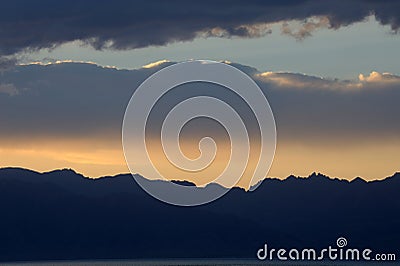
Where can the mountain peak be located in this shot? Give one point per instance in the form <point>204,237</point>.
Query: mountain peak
<point>358,180</point>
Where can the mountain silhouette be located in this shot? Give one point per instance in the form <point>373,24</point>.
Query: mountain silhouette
<point>64,215</point>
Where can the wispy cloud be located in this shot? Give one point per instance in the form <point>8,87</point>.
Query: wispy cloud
<point>305,28</point>
<point>290,80</point>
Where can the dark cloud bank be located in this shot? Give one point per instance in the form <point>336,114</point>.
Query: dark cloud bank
<point>30,25</point>
<point>81,99</point>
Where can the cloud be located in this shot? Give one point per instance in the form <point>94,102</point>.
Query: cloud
<point>156,64</point>
<point>306,27</point>
<point>27,26</point>
<point>83,99</point>
<point>287,80</point>
<point>251,31</point>
<point>383,78</point>
<point>8,89</point>
<point>311,108</point>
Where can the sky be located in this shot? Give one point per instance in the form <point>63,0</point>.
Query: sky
<point>330,71</point>
<point>360,48</point>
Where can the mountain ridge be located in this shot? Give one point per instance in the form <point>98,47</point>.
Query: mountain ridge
<point>60,215</point>
<point>313,175</point>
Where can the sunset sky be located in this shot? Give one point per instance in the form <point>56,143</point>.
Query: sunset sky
<point>330,71</point>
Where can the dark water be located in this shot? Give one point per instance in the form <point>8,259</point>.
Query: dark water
<point>222,262</point>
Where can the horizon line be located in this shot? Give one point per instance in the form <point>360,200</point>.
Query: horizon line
<point>315,173</point>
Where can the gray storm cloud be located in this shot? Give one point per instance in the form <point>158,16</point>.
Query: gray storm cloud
<point>30,25</point>
<point>81,99</point>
